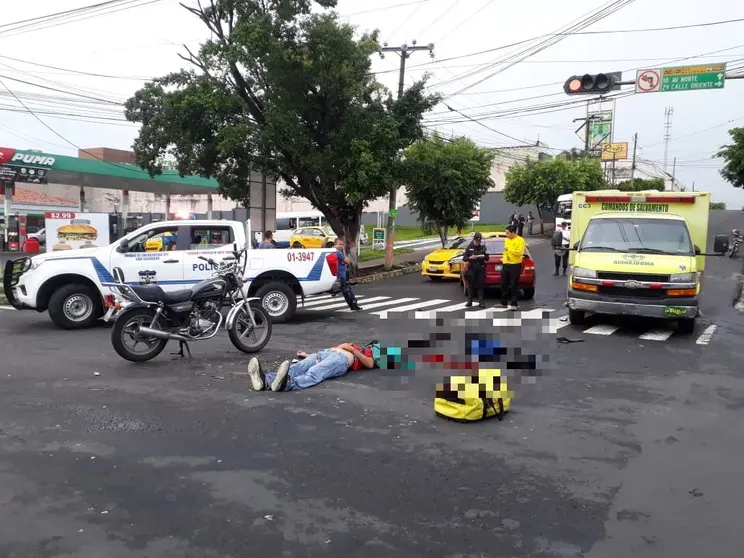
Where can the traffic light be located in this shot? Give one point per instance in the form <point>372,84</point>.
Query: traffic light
<point>593,84</point>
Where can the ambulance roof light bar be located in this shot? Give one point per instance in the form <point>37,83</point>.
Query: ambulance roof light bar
<point>641,199</point>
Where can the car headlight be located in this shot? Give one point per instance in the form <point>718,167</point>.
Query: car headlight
<point>682,278</point>
<point>584,272</point>
<point>455,260</point>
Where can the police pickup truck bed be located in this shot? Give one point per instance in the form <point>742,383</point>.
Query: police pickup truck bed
<point>69,284</point>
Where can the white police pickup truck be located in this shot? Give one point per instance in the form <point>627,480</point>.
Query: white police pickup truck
<point>69,283</point>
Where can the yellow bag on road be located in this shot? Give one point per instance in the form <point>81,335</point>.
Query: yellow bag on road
<point>473,398</point>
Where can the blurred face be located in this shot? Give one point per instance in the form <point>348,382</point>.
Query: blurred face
<point>339,243</point>
<point>477,241</point>
<point>510,234</point>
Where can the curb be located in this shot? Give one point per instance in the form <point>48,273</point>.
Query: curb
<point>3,300</point>
<point>387,274</point>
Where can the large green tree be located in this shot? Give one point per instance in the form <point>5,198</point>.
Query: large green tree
<point>641,184</point>
<point>280,90</point>
<point>445,180</point>
<point>541,182</point>
<point>733,155</point>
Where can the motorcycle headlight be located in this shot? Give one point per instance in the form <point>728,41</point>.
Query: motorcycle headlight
<point>682,278</point>
<point>584,272</point>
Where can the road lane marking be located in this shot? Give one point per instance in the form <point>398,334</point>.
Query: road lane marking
<point>381,304</point>
<point>603,329</point>
<point>704,339</point>
<point>424,304</point>
<point>557,323</point>
<point>336,305</point>
<point>314,298</point>
<point>327,301</point>
<point>6,308</point>
<point>481,314</point>
<point>536,314</point>
<point>657,334</point>
<point>429,314</point>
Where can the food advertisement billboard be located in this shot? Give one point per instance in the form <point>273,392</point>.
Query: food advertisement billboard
<point>74,231</point>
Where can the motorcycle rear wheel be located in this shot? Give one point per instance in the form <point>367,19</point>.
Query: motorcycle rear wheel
<point>244,336</point>
<point>122,333</point>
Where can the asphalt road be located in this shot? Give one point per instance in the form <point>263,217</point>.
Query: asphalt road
<point>622,446</point>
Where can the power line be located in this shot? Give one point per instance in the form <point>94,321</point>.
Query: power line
<point>464,21</point>
<point>578,33</point>
<point>382,9</point>
<point>444,13</point>
<point>68,70</point>
<point>516,58</point>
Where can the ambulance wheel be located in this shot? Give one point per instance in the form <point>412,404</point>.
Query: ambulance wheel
<point>576,317</point>
<point>686,326</point>
<point>75,306</point>
<point>279,301</point>
<point>529,293</point>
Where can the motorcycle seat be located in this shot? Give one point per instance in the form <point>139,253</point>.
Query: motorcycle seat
<point>154,293</point>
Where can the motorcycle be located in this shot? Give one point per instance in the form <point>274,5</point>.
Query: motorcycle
<point>737,238</point>
<point>150,317</point>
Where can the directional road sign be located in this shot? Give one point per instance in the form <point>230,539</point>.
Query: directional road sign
<point>681,78</point>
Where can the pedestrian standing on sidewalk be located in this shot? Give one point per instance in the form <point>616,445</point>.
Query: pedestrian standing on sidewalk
<point>530,222</point>
<point>561,254</point>
<point>476,258</point>
<point>344,276</point>
<point>511,268</point>
<point>520,224</point>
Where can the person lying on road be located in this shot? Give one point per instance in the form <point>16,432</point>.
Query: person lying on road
<point>314,368</point>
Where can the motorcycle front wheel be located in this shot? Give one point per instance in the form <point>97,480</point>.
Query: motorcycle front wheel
<point>130,346</point>
<point>244,335</point>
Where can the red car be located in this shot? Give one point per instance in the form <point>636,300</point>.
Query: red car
<point>495,249</point>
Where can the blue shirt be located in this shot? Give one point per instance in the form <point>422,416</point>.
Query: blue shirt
<point>343,271</point>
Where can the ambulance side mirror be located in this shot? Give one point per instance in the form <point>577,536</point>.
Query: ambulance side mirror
<point>575,246</point>
<point>556,241</point>
<point>721,244</point>
<point>698,252</point>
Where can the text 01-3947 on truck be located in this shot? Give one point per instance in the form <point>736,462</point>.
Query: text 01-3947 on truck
<point>69,284</point>
<point>638,254</point>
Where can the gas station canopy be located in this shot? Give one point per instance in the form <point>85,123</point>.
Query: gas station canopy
<point>35,166</point>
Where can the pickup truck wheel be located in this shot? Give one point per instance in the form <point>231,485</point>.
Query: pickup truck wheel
<point>686,326</point>
<point>296,245</point>
<point>279,301</point>
<point>576,317</point>
<point>75,306</point>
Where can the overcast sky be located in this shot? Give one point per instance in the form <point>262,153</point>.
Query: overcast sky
<point>143,41</point>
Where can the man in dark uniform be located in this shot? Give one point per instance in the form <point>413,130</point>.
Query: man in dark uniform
<point>476,258</point>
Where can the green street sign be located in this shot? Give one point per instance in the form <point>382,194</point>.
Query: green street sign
<point>393,213</point>
<point>681,78</point>
<point>378,234</point>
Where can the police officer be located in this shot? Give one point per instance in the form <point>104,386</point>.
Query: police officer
<point>476,258</point>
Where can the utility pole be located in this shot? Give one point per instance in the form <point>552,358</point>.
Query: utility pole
<point>404,51</point>
<point>633,165</point>
<point>693,186</point>
<point>674,172</point>
<point>668,113</point>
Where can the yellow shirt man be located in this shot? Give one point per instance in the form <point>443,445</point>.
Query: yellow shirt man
<point>513,250</point>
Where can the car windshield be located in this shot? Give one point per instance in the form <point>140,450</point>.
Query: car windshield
<point>638,236</point>
<point>459,242</point>
<point>494,245</point>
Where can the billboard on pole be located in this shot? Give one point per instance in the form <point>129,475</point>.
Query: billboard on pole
<point>600,128</point>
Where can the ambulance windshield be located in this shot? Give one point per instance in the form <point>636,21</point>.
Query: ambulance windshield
<point>638,236</point>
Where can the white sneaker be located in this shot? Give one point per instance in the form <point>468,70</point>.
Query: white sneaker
<point>280,381</point>
<point>256,375</point>
<point>513,307</point>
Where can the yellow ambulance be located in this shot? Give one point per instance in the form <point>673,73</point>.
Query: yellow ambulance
<point>638,254</point>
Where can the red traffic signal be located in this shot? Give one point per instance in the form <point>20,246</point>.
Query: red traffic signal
<point>593,84</point>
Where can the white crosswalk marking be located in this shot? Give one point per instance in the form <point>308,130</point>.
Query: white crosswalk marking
<point>423,304</point>
<point>657,335</point>
<point>339,305</point>
<point>704,339</point>
<point>314,298</point>
<point>429,314</point>
<point>557,323</point>
<point>518,318</point>
<point>603,329</point>
<point>309,305</point>
<point>381,304</point>
<point>6,308</point>
<point>484,314</point>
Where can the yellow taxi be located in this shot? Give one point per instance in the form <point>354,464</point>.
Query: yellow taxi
<point>155,244</point>
<point>437,264</point>
<point>312,237</point>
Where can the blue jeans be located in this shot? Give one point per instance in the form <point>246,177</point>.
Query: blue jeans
<point>309,372</point>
